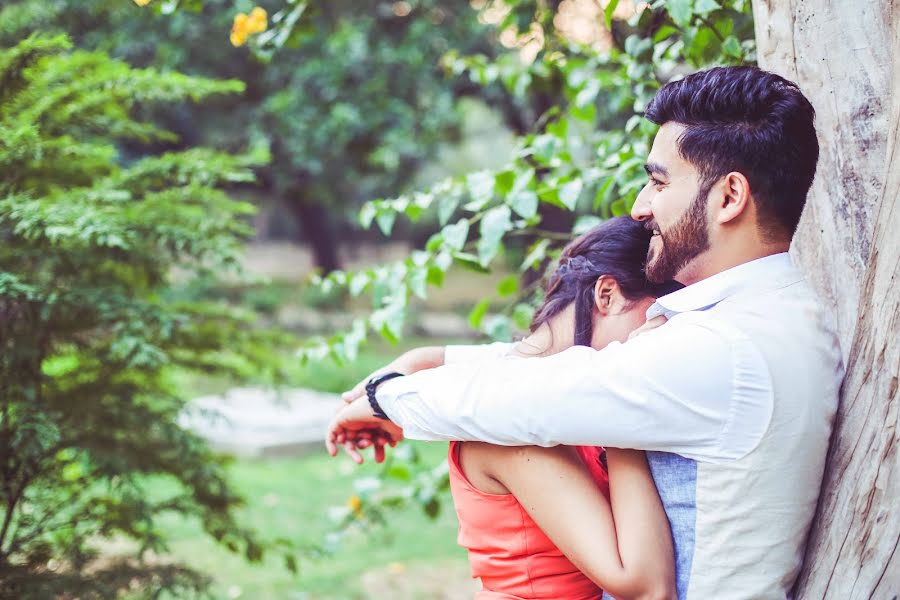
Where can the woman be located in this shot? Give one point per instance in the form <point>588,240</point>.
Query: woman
<point>544,522</point>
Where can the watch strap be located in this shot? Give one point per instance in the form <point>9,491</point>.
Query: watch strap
<point>371,388</point>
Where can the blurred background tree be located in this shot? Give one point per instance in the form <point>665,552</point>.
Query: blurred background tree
<point>581,74</point>
<point>350,108</point>
<point>91,324</point>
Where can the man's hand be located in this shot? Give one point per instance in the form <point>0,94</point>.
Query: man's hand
<point>356,426</point>
<point>417,359</point>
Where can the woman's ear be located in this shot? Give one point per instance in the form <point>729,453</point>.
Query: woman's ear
<point>605,291</point>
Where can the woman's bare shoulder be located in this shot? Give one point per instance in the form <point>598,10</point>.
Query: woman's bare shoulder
<point>499,462</point>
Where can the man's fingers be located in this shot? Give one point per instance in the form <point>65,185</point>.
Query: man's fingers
<point>379,453</point>
<point>356,392</point>
<point>359,390</point>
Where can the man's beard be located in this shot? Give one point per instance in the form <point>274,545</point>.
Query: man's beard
<point>681,243</point>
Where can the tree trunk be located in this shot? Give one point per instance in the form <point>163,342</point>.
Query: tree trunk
<point>846,58</point>
<point>318,231</point>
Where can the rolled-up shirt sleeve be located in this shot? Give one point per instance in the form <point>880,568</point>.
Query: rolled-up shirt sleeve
<point>678,388</point>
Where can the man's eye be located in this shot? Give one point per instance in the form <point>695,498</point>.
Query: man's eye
<point>656,182</point>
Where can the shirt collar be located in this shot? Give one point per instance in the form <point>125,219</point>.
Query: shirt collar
<point>768,272</point>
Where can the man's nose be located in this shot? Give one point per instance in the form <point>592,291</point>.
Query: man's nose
<point>640,211</point>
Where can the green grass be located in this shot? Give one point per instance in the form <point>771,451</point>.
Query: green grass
<point>413,558</point>
<point>290,498</point>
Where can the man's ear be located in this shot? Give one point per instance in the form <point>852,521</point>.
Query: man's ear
<point>734,199</point>
<point>605,290</point>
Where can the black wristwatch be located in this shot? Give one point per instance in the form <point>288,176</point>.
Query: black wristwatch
<point>370,392</point>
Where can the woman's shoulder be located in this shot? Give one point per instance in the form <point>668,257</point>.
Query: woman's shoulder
<point>475,463</point>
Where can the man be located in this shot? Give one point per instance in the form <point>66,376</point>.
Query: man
<point>733,397</point>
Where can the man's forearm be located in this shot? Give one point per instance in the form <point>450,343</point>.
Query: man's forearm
<point>649,394</point>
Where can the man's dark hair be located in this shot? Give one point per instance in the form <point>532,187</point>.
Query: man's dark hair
<point>751,121</point>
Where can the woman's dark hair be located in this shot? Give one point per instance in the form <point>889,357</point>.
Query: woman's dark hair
<point>616,248</point>
<point>747,120</point>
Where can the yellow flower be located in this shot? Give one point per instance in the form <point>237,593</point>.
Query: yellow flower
<point>246,25</point>
<point>239,32</point>
<point>238,39</point>
<point>258,21</point>
<point>354,503</point>
<point>142,2</point>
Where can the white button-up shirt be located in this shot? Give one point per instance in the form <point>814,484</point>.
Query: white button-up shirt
<point>735,395</point>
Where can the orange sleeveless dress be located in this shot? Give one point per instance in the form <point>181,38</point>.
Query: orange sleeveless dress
<point>508,551</point>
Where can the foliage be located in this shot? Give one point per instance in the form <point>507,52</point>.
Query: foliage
<point>586,155</point>
<point>92,327</point>
<point>348,102</point>
<point>300,498</point>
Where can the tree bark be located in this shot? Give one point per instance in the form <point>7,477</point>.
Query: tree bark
<point>318,231</point>
<point>845,57</point>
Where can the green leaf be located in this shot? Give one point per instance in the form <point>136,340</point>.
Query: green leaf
<point>544,148</point>
<point>681,11</point>
<point>435,276</point>
<point>385,220</point>
<point>72,472</point>
<point>570,192</point>
<point>585,223</point>
<point>455,235</point>
<point>447,205</point>
<point>443,260</point>
<point>399,471</point>
<point>367,215</point>
<point>508,286</point>
<point>478,311</point>
<point>469,261</point>
<point>504,182</point>
<point>525,204</point>
<point>498,327</point>
<point>522,315</point>
<point>732,47</point>
<point>663,33</point>
<point>494,224</point>
<point>636,46</point>
<point>523,181</point>
<point>536,255</point>
<point>481,188</point>
<point>608,13</point>
<point>603,192</point>
<point>704,7</point>
<point>558,128</point>
<point>358,283</point>
<point>584,112</point>
<point>618,209</point>
<point>434,242</point>
<point>389,319</point>
<point>418,281</point>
